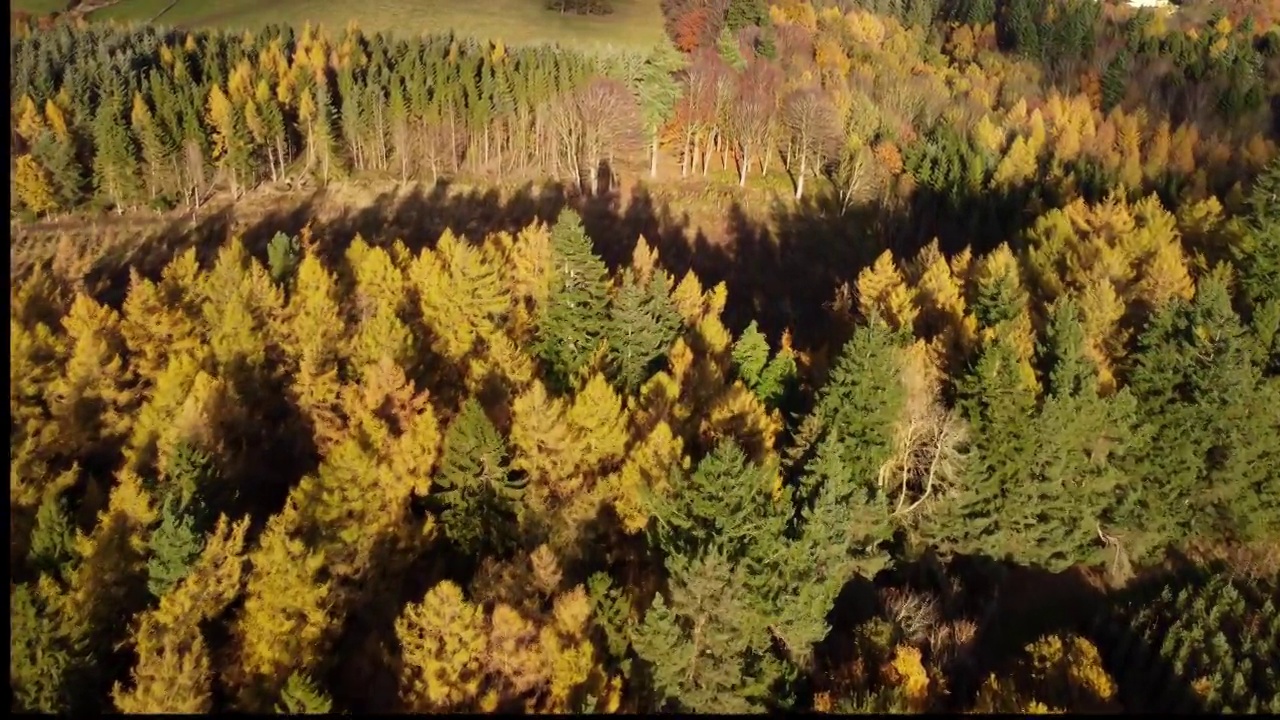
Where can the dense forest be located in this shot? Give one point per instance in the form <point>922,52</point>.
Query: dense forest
<point>1022,458</point>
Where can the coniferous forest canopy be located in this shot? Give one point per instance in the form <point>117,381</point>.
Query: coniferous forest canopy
<point>982,417</point>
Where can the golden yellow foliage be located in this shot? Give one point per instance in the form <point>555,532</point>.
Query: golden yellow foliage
<point>688,299</point>
<point>1058,672</point>
<point>884,293</point>
<point>110,579</point>
<point>906,671</point>
<point>285,615</point>
<point>33,186</point>
<point>91,401</point>
<point>598,426</point>
<point>647,468</point>
<point>173,672</point>
<point>380,296</point>
<point>444,641</point>
<point>541,439</point>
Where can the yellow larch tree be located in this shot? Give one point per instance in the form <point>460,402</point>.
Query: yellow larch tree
<point>30,121</point>
<point>528,262</point>
<point>943,319</point>
<point>155,429</point>
<point>156,326</point>
<point>1055,674</point>
<point>567,651</point>
<point>173,673</point>
<point>441,304</point>
<point>1101,312</point>
<point>110,581</point>
<point>36,357</point>
<point>443,642</point>
<point>387,455</point>
<point>542,442</point>
<point>514,662</point>
<point>647,468</point>
<point>597,428</point>
<point>312,335</point>
<point>1001,303</point>
<point>239,304</point>
<point>883,292</point>
<point>688,299</point>
<point>282,626</point>
<point>33,186</point>
<point>92,400</point>
<point>380,296</point>
<point>501,359</point>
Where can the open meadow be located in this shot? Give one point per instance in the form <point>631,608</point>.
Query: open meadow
<point>634,23</point>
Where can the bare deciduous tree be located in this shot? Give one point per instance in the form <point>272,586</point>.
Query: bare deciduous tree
<point>697,109</point>
<point>754,108</point>
<point>929,442</point>
<point>811,120</point>
<point>593,125</point>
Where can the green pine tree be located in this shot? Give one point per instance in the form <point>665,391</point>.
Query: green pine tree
<point>115,159</point>
<point>778,380</point>
<point>1082,440</point>
<point>1258,257</point>
<point>575,318</point>
<point>612,611</point>
<point>863,398</point>
<point>174,544</point>
<point>751,354</point>
<point>53,538</point>
<point>843,534</point>
<point>58,156</point>
<point>658,91</point>
<point>707,649</point>
<point>726,504</point>
<point>478,491</point>
<point>1210,466</point>
<point>999,509</point>
<point>643,326</point>
<point>730,49</point>
<point>282,257</point>
<point>745,13</point>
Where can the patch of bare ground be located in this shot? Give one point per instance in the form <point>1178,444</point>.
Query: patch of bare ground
<point>91,251</point>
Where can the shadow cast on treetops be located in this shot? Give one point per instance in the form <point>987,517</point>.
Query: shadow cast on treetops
<point>780,270</point>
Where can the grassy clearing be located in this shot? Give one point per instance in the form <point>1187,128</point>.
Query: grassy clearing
<point>634,23</point>
<point>37,7</point>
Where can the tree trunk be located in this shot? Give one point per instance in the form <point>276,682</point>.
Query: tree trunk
<point>744,168</point>
<point>453,141</point>
<point>653,157</point>
<point>688,153</point>
<point>804,165</point>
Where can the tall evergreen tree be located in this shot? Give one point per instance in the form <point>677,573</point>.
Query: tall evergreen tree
<point>1195,369</point>
<point>115,162</point>
<point>575,318</point>
<point>1001,506</point>
<point>1258,258</point>
<point>478,489</point>
<point>1083,439</point>
<point>643,325</point>
<point>707,648</point>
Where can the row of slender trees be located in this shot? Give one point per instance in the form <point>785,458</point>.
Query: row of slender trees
<point>128,118</point>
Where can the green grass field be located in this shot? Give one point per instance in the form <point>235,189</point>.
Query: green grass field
<point>634,23</point>
<point>38,7</point>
